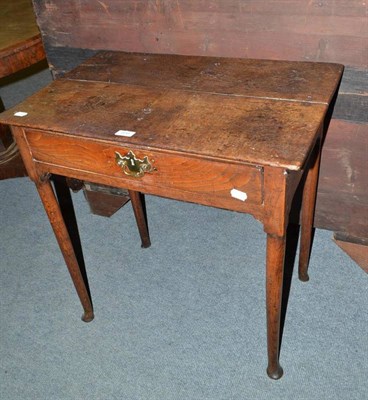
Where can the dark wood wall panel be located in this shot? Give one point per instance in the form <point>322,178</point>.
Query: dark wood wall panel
<point>308,30</point>
<point>352,102</point>
<point>342,203</point>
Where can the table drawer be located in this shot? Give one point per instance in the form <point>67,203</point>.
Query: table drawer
<point>175,175</point>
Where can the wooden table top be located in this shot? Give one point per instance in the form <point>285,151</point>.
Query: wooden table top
<point>20,39</point>
<point>248,111</point>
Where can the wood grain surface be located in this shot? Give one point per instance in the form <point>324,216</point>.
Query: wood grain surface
<point>255,124</point>
<point>317,30</point>
<point>308,30</point>
<point>20,39</point>
<point>226,133</point>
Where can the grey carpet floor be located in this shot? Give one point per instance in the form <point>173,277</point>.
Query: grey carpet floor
<point>184,319</point>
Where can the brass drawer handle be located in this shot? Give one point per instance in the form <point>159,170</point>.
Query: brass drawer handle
<point>133,166</point>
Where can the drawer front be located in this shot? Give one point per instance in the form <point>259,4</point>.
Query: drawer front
<point>177,176</point>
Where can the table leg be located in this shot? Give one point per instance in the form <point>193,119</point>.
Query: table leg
<point>307,217</point>
<point>139,209</point>
<point>56,219</point>
<point>274,283</point>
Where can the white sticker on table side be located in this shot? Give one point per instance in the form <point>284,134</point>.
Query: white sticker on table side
<point>20,114</point>
<point>238,194</point>
<point>124,133</point>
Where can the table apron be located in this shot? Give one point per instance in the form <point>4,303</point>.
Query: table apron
<point>182,177</point>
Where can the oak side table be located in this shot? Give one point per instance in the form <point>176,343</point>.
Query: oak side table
<point>236,134</point>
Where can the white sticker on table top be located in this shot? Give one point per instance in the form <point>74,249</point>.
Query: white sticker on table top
<point>238,194</point>
<point>124,133</point>
<point>20,114</point>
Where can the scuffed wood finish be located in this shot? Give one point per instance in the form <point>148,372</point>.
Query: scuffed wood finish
<point>179,176</point>
<point>198,87</point>
<point>213,127</point>
<point>317,30</point>
<point>20,39</point>
<point>314,30</point>
<point>21,55</point>
<point>165,125</point>
<point>285,80</point>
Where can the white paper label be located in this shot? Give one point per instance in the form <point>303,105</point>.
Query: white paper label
<point>20,114</point>
<point>238,194</point>
<point>124,133</point>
